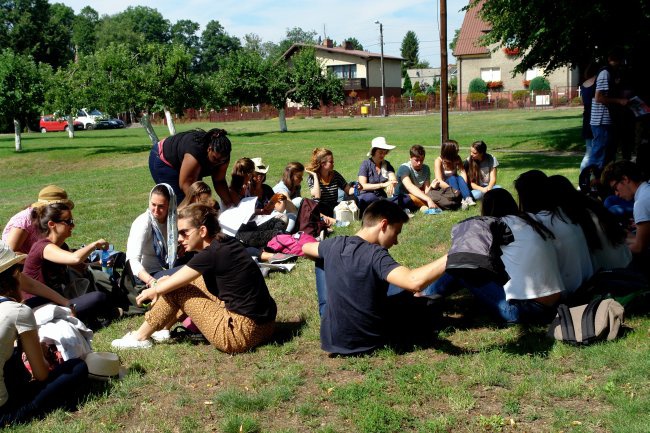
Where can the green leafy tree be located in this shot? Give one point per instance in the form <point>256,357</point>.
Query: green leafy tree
<point>244,76</point>
<point>454,40</point>
<point>21,26</point>
<point>216,44</point>
<point>65,93</point>
<point>58,36</point>
<point>410,51</point>
<point>134,26</point>
<point>415,88</point>
<point>294,35</point>
<point>185,32</point>
<point>553,34</point>
<point>478,85</point>
<point>356,45</point>
<point>21,90</point>
<point>84,31</point>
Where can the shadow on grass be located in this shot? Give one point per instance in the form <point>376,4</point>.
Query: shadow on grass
<point>521,162</point>
<point>95,150</point>
<point>559,140</point>
<point>287,331</point>
<point>553,118</point>
<point>299,131</point>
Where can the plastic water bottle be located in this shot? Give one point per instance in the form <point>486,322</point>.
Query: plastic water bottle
<point>105,255</point>
<point>356,189</point>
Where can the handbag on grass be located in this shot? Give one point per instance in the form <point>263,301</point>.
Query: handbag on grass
<point>601,319</point>
<point>446,198</point>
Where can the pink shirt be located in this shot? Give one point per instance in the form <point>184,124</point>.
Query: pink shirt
<point>23,220</point>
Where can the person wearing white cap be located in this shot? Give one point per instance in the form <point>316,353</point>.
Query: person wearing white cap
<point>376,175</point>
<point>19,233</point>
<point>22,399</point>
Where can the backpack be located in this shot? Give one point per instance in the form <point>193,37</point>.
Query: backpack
<point>309,220</point>
<point>601,319</point>
<point>290,244</point>
<point>446,198</point>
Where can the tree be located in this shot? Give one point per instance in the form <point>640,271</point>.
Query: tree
<point>552,34</point>
<point>244,76</point>
<point>216,44</point>
<point>64,94</point>
<point>295,35</point>
<point>84,28</point>
<point>407,87</point>
<point>410,51</point>
<point>21,89</point>
<point>454,41</point>
<point>356,45</point>
<point>58,36</point>
<point>184,32</point>
<point>135,26</point>
<point>21,26</point>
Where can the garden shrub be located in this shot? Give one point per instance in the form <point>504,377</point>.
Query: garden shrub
<point>538,84</point>
<point>561,100</point>
<point>503,103</point>
<point>477,85</point>
<point>476,97</point>
<point>421,98</point>
<point>577,101</point>
<point>520,97</point>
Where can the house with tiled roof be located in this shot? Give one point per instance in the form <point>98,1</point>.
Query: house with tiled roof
<point>359,70</point>
<point>496,65</point>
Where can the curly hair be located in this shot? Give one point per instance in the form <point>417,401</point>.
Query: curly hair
<point>317,157</point>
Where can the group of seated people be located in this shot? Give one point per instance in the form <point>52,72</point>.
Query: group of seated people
<point>519,259</point>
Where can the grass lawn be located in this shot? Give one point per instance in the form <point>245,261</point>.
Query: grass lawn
<point>476,376</point>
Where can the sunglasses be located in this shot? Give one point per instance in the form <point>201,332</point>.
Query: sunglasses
<point>185,232</point>
<point>68,222</point>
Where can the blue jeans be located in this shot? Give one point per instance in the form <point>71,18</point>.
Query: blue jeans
<point>599,145</point>
<point>162,173</point>
<point>457,182</point>
<point>477,195</point>
<point>585,159</point>
<point>492,294</point>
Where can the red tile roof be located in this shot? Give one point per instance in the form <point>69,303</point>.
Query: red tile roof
<point>472,29</point>
<point>356,53</point>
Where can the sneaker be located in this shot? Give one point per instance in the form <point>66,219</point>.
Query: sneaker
<point>282,258</point>
<point>129,342</point>
<point>470,201</point>
<point>265,272</point>
<point>464,205</point>
<point>160,336</point>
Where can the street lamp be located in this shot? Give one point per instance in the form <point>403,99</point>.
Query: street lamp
<point>383,76</point>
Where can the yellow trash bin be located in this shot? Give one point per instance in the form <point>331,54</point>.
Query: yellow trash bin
<point>364,110</point>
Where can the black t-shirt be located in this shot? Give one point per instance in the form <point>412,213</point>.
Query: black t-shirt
<point>355,313</point>
<point>176,146</point>
<point>231,275</point>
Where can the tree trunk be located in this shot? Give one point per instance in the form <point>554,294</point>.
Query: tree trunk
<point>146,122</point>
<point>170,122</point>
<point>70,126</point>
<point>283,120</point>
<point>17,131</point>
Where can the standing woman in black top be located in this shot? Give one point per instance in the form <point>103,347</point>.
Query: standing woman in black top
<point>184,158</point>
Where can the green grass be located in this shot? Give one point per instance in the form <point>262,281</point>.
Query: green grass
<point>476,376</point>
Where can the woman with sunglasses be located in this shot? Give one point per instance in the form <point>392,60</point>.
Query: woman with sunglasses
<point>49,259</point>
<point>221,289</point>
<point>184,158</point>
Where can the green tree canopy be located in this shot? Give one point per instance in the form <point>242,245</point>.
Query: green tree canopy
<point>21,26</point>
<point>410,50</point>
<point>134,26</point>
<point>295,35</point>
<point>216,44</point>
<point>84,31</point>
<point>355,43</point>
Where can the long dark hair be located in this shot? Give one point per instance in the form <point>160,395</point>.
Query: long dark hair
<point>532,191</point>
<point>499,203</point>
<point>474,167</point>
<point>289,172</point>
<point>449,152</point>
<point>579,208</point>
<point>44,214</point>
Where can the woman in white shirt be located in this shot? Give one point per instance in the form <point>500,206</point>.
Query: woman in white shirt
<point>151,247</point>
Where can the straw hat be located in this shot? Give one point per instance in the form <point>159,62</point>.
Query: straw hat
<point>8,258</point>
<point>53,194</point>
<point>380,143</point>
<point>260,166</point>
<point>104,366</point>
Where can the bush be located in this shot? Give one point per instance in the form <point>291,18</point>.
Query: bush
<point>576,102</point>
<point>503,103</point>
<point>476,97</point>
<point>561,100</point>
<point>520,97</point>
<point>477,85</point>
<point>421,98</point>
<point>538,84</point>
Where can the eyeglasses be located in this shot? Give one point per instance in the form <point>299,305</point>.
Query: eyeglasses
<point>68,222</point>
<point>185,232</point>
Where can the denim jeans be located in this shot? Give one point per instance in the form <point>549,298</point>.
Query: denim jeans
<point>585,159</point>
<point>492,294</point>
<point>477,195</point>
<point>599,145</point>
<point>457,182</point>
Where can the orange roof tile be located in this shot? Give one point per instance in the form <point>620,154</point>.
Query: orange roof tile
<point>472,29</point>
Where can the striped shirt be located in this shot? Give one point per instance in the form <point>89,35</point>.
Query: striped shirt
<point>599,112</point>
<point>329,193</point>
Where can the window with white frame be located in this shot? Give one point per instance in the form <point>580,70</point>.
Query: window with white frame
<point>343,71</point>
<point>491,74</point>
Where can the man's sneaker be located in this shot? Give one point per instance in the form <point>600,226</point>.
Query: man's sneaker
<point>463,204</point>
<point>129,342</point>
<point>160,336</point>
<point>470,201</point>
<point>282,258</point>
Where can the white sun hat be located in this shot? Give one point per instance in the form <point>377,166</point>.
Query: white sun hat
<point>104,366</point>
<point>380,143</point>
<point>8,258</point>
<point>260,166</point>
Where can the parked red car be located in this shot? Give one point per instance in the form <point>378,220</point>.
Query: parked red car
<point>51,123</point>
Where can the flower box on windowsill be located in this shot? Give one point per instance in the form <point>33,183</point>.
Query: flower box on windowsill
<point>495,85</point>
<point>526,83</point>
<point>511,51</point>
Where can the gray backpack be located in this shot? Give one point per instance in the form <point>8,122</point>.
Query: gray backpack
<point>601,319</point>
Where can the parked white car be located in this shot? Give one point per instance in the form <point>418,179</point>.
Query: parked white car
<point>89,118</point>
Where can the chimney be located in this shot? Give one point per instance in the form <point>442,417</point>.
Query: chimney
<point>328,43</point>
<point>348,45</point>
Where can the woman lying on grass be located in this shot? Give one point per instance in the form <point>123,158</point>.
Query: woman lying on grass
<point>221,289</point>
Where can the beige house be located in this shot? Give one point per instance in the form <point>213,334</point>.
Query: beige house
<point>476,61</point>
<point>428,76</point>
<point>360,71</point>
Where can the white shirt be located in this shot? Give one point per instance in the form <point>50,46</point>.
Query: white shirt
<point>15,319</point>
<point>139,247</point>
<point>531,263</point>
<point>574,258</point>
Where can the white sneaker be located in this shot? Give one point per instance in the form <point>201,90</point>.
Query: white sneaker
<point>129,342</point>
<point>161,336</point>
<point>470,201</point>
<point>463,204</point>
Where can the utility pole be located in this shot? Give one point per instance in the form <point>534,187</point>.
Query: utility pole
<point>444,100</point>
<point>383,75</point>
